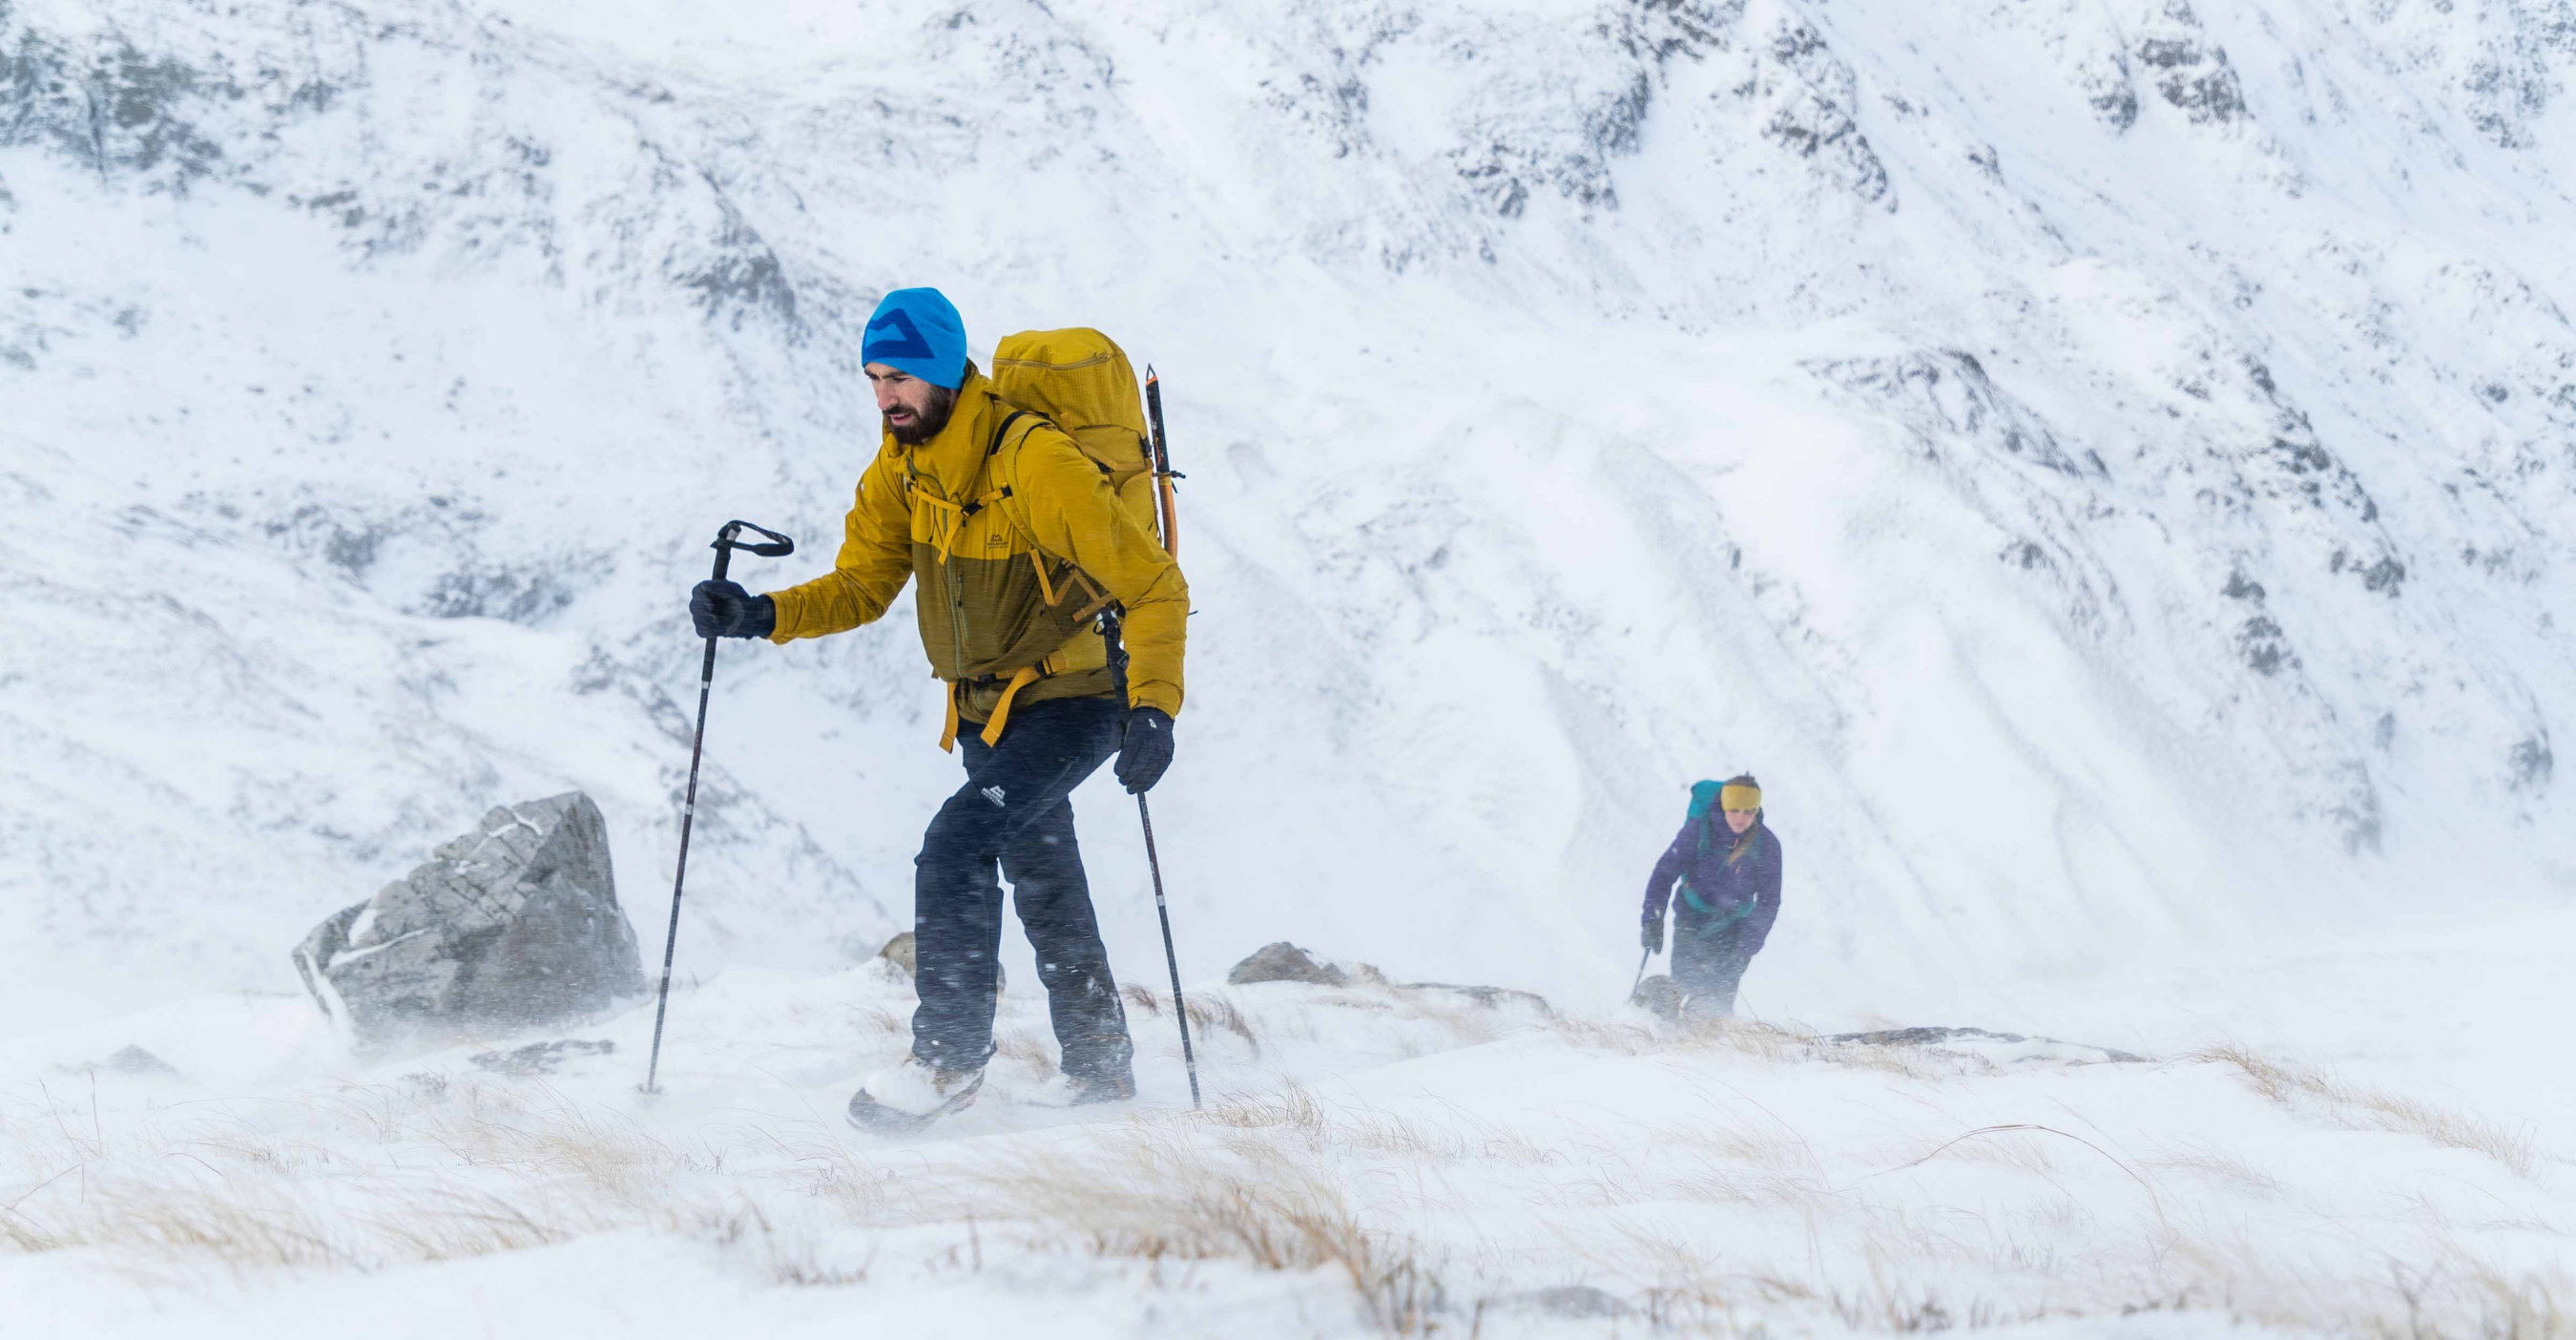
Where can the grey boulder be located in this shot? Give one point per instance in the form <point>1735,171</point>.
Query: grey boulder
<point>514,925</point>
<point>1280,961</point>
<point>899,952</point>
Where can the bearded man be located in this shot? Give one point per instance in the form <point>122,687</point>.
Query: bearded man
<point>1001,519</point>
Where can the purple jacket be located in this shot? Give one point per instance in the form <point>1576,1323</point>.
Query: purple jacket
<point>1716,892</point>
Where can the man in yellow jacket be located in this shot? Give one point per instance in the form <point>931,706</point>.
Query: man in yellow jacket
<point>1019,548</point>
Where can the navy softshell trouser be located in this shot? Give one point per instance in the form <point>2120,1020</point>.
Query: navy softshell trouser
<point>1709,963</point>
<point>1014,812</point>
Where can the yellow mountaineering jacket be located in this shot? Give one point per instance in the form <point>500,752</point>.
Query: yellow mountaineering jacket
<point>1016,544</point>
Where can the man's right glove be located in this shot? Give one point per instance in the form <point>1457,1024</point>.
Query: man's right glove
<point>722,609</point>
<point>1650,934</point>
<point>1145,750</point>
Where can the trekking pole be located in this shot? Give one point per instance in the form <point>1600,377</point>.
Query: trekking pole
<point>1170,525</point>
<point>1180,1007</point>
<point>779,547</point>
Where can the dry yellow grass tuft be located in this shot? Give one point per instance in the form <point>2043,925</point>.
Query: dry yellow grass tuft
<point>2304,1088</point>
<point>1151,1197</point>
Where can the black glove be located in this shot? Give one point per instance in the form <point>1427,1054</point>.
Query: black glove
<point>1146,750</point>
<point>1650,935</point>
<point>722,609</point>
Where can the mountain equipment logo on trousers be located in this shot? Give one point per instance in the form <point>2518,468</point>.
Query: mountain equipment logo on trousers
<point>1054,616</point>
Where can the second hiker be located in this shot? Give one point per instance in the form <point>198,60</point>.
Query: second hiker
<point>1026,563</point>
<point>1727,864</point>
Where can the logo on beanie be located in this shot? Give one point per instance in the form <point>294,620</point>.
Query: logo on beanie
<point>905,342</point>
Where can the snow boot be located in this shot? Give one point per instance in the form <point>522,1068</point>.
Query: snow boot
<point>912,1094</point>
<point>1066,1091</point>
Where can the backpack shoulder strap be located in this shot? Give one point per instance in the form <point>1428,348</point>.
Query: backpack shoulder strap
<point>1003,430</point>
<point>1005,467</point>
<point>1003,471</point>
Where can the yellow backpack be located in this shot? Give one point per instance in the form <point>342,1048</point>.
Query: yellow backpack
<point>1081,379</point>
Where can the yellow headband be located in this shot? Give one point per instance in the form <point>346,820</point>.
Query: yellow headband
<point>1738,796</point>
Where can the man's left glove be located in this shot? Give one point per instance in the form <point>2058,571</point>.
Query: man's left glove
<point>1147,749</point>
<point>722,609</point>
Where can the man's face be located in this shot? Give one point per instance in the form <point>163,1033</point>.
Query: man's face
<point>1739,820</point>
<point>914,409</point>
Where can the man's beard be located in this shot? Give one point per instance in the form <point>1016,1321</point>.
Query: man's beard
<point>926,425</point>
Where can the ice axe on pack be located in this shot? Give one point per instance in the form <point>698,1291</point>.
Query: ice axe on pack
<point>728,539</point>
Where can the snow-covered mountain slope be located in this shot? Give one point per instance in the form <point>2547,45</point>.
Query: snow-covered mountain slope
<point>2104,463</point>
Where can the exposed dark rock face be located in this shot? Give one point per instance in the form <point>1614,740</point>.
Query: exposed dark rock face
<point>514,925</point>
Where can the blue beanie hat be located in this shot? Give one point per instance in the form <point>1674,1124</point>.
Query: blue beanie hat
<point>918,330</point>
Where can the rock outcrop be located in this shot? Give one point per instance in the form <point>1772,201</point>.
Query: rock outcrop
<point>1280,961</point>
<point>541,1058</point>
<point>514,925</point>
<point>2008,1046</point>
<point>899,952</point>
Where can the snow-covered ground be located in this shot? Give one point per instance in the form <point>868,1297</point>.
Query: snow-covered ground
<point>2367,1137</point>
<point>2104,463</point>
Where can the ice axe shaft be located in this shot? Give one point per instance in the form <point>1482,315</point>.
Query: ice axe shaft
<point>1165,508</point>
<point>779,546</point>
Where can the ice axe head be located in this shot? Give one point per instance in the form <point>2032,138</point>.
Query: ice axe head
<point>728,539</point>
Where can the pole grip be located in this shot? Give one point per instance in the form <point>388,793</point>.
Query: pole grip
<point>729,539</point>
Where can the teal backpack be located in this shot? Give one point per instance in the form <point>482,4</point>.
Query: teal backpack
<point>1703,808</point>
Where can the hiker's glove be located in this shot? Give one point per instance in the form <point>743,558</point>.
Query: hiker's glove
<point>722,609</point>
<point>1146,750</point>
<point>1651,935</point>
